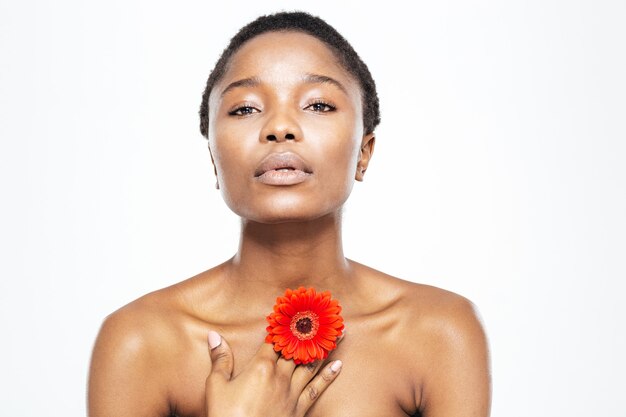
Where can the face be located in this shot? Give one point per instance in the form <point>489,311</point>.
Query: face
<point>286,130</point>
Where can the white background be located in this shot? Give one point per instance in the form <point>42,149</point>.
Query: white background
<point>498,173</point>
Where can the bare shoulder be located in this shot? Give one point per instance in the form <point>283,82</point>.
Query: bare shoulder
<point>131,358</point>
<point>443,344</point>
<point>444,312</point>
<point>434,306</point>
<point>455,358</point>
<point>136,327</point>
<point>150,356</point>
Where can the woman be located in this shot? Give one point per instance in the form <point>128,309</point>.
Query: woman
<point>289,112</point>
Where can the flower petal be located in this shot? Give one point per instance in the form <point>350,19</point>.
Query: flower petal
<point>301,352</point>
<point>287,309</point>
<point>298,343</point>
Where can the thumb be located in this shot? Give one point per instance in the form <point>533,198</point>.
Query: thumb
<point>221,355</point>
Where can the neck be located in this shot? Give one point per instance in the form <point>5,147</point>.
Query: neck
<point>273,257</point>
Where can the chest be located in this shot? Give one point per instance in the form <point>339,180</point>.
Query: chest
<point>375,379</point>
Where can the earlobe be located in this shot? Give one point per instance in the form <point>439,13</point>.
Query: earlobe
<point>365,155</point>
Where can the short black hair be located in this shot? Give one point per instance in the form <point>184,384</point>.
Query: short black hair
<point>311,25</point>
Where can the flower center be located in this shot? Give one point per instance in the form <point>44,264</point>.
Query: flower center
<point>304,325</point>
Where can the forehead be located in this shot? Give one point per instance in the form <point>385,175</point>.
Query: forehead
<point>280,55</point>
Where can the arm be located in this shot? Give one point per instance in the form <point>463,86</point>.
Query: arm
<point>123,377</point>
<point>458,383</point>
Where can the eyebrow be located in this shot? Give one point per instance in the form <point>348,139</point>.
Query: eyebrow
<point>323,79</point>
<point>308,79</point>
<point>245,82</point>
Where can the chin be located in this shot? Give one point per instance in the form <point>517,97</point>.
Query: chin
<point>278,211</point>
<point>286,207</point>
<point>292,215</point>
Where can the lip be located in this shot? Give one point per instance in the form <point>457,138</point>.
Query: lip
<point>286,168</point>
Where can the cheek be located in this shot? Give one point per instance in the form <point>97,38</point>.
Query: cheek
<point>230,156</point>
<point>231,146</point>
<point>347,143</point>
<point>338,154</point>
<point>341,162</point>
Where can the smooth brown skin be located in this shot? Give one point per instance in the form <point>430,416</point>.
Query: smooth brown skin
<point>407,348</point>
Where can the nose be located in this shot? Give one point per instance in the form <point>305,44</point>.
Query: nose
<point>275,138</point>
<point>280,127</point>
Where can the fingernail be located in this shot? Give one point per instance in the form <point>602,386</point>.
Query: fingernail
<point>336,366</point>
<point>214,339</point>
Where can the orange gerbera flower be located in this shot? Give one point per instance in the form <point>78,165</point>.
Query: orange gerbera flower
<point>305,325</point>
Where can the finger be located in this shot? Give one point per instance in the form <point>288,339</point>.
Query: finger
<point>340,338</point>
<point>303,374</point>
<point>221,355</point>
<point>317,386</point>
<point>265,358</point>
<point>286,366</point>
<point>267,352</point>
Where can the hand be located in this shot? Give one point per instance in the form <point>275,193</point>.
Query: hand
<point>269,386</point>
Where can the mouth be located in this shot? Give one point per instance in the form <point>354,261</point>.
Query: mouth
<point>285,168</point>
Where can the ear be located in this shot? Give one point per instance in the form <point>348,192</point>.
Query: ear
<point>365,155</point>
<point>217,183</point>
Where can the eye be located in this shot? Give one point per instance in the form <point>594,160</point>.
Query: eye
<point>321,107</point>
<point>243,111</point>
